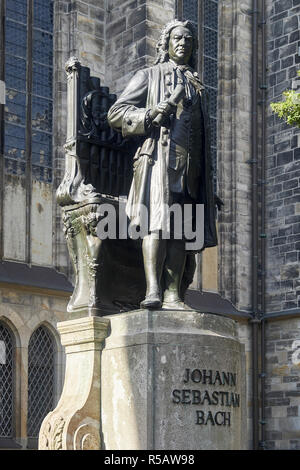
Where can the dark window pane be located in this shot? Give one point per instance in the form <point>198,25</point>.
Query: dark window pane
<point>42,81</point>
<point>15,39</point>
<point>16,27</point>
<point>6,382</point>
<point>41,148</point>
<point>14,167</point>
<point>213,132</point>
<point>210,76</point>
<point>213,94</point>
<point>40,379</point>
<point>14,141</point>
<point>15,72</point>
<point>41,114</point>
<point>40,173</point>
<point>43,14</point>
<point>210,72</point>
<point>17,10</point>
<point>42,90</point>
<point>15,107</point>
<point>211,43</point>
<point>211,14</point>
<point>190,10</point>
<point>42,47</point>
<point>213,152</point>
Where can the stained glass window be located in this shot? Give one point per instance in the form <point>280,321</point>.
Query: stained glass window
<point>29,80</point>
<point>41,355</point>
<point>6,382</point>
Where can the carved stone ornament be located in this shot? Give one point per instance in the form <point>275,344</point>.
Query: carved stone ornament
<point>75,422</point>
<point>72,65</point>
<point>51,438</point>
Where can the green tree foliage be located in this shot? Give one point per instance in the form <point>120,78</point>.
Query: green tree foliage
<point>289,108</point>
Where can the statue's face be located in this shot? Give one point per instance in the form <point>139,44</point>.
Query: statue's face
<point>180,45</point>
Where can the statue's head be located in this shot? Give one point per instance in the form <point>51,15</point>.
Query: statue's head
<point>179,42</point>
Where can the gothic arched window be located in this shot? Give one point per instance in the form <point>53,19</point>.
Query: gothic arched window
<point>41,378</point>
<point>7,362</point>
<point>28,76</point>
<point>26,123</point>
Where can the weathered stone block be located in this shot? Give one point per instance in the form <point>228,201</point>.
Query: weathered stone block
<point>287,62</point>
<point>99,30</point>
<point>284,157</point>
<point>116,28</point>
<point>288,50</point>
<point>158,381</point>
<point>97,14</point>
<point>282,5</point>
<point>294,36</point>
<point>277,29</point>
<point>127,37</point>
<point>75,422</point>
<point>80,7</point>
<point>158,14</point>
<point>282,41</point>
<point>290,24</point>
<point>137,16</point>
<point>97,3</point>
<point>85,24</point>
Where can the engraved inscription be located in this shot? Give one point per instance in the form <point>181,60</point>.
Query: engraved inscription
<point>209,397</point>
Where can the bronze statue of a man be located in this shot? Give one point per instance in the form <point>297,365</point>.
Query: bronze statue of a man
<point>166,106</point>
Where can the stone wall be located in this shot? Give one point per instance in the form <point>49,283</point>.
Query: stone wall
<point>22,311</point>
<point>283,384</point>
<point>245,336</point>
<point>234,152</point>
<point>132,30</point>
<point>283,162</point>
<point>283,233</point>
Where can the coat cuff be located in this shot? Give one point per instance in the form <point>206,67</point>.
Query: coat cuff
<point>134,122</point>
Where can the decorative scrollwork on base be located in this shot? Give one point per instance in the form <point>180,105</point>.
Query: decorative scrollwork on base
<point>86,438</point>
<point>51,437</point>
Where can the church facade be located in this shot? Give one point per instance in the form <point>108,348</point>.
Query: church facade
<point>248,55</point>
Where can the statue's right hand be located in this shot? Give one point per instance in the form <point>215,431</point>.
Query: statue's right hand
<point>163,107</point>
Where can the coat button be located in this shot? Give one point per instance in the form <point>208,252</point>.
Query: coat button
<point>164,143</point>
<point>167,94</point>
<point>129,122</point>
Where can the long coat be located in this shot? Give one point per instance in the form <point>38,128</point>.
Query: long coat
<point>150,185</point>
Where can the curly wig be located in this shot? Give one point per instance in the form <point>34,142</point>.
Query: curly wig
<point>162,46</point>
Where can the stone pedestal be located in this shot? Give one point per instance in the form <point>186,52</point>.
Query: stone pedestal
<point>75,422</point>
<point>173,380</point>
